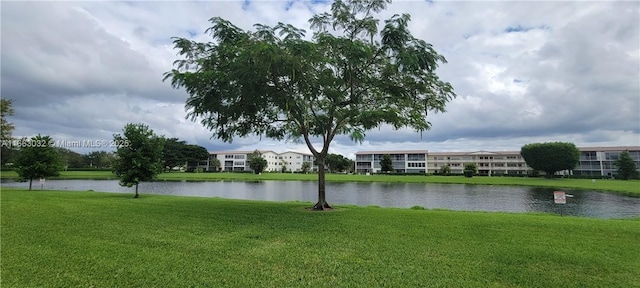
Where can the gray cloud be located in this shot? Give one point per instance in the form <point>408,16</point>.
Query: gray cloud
<point>523,71</point>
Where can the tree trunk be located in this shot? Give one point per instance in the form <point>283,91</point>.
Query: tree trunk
<point>322,202</point>
<point>30,182</point>
<point>137,196</point>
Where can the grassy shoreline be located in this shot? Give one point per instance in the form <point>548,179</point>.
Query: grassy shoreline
<point>61,238</point>
<point>629,187</point>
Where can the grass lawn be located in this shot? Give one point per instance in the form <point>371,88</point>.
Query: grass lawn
<point>91,239</point>
<point>630,187</point>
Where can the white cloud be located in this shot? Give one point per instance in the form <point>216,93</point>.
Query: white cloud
<point>523,71</point>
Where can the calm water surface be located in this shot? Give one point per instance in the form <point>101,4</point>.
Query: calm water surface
<point>404,195</point>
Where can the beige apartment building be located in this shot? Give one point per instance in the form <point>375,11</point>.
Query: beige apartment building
<point>594,161</point>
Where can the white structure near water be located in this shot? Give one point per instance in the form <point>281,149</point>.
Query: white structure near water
<point>594,161</point>
<point>238,161</point>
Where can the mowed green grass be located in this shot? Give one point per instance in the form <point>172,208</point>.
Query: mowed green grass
<point>91,239</point>
<point>629,187</point>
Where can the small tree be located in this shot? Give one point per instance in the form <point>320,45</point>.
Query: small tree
<point>256,162</point>
<point>283,168</point>
<point>551,157</point>
<point>7,152</point>
<point>627,168</point>
<point>445,170</point>
<point>215,163</point>
<point>306,166</point>
<point>386,164</point>
<point>352,166</point>
<point>38,158</point>
<point>470,169</point>
<point>139,155</point>
<point>6,128</point>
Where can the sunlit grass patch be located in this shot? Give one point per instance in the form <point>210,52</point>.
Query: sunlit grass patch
<point>63,239</point>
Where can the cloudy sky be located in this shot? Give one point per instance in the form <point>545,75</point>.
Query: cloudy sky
<point>523,71</point>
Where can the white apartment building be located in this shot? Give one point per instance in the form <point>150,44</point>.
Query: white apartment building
<point>594,161</point>
<point>598,161</point>
<point>404,161</point>
<point>239,161</point>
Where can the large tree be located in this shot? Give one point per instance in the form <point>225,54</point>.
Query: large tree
<point>627,168</point>
<point>551,157</point>
<point>38,158</point>
<point>350,76</point>
<point>179,153</point>
<point>194,154</point>
<point>139,155</point>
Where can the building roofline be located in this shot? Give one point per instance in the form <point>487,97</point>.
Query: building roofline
<point>240,152</point>
<point>393,152</point>
<point>610,148</point>
<point>484,152</point>
<point>236,152</point>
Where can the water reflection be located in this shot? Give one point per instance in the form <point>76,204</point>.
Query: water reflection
<point>431,196</point>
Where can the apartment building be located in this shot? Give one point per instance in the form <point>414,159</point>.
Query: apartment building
<point>409,161</point>
<point>237,161</point>
<point>488,162</point>
<point>594,161</point>
<point>598,161</point>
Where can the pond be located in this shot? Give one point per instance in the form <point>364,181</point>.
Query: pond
<point>402,195</point>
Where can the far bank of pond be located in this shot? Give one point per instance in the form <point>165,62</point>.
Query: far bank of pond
<point>629,187</point>
<point>492,198</point>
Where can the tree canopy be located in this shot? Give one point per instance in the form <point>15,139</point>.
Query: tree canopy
<point>194,154</point>
<point>38,158</point>
<point>352,75</point>
<point>179,153</point>
<point>139,155</point>
<point>173,153</point>
<point>627,168</point>
<point>551,157</point>
<point>337,163</point>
